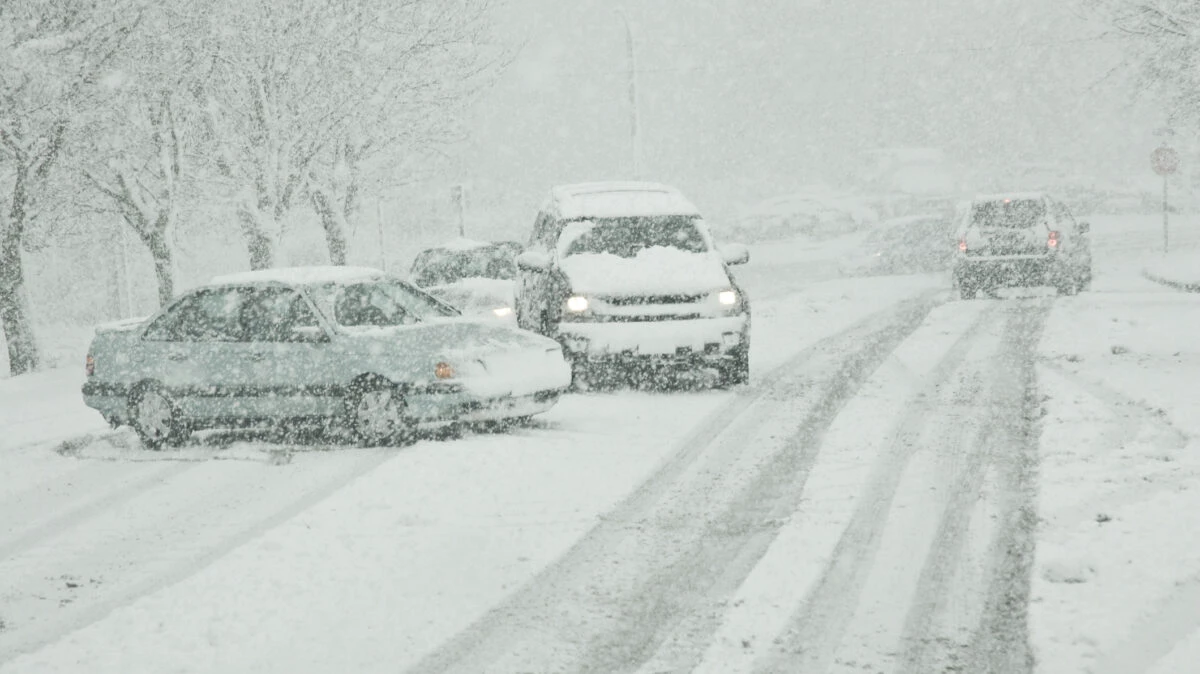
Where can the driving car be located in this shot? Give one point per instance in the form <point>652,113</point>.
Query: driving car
<point>908,245</point>
<point>475,277</point>
<point>627,277</point>
<point>340,344</point>
<point>1022,239</point>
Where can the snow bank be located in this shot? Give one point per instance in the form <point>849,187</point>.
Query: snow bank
<point>658,270</point>
<point>1118,551</point>
<point>1180,269</point>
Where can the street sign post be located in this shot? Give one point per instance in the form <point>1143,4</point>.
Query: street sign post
<point>1165,162</point>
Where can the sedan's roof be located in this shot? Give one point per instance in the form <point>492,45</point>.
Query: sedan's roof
<point>315,275</point>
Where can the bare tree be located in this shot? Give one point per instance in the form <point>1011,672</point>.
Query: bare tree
<point>1162,43</point>
<point>50,54</point>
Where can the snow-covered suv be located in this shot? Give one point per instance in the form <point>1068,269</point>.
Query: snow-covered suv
<point>626,277</point>
<point>1025,239</point>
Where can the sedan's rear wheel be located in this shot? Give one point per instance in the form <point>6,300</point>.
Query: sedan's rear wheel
<point>155,417</point>
<point>378,414</point>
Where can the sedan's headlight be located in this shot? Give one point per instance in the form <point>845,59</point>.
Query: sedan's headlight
<point>577,304</point>
<point>727,298</point>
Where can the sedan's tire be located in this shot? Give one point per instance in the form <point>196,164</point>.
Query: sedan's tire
<point>736,369</point>
<point>377,414</point>
<point>155,417</point>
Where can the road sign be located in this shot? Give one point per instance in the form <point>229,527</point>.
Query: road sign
<point>1165,161</point>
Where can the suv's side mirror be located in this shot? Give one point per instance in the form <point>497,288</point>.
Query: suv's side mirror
<point>1085,227</point>
<point>533,260</point>
<point>734,253</point>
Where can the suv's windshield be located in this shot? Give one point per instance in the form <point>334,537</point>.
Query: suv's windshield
<point>626,237</point>
<point>377,303</point>
<point>1008,214</point>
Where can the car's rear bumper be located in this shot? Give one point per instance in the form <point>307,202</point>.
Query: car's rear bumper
<point>1027,271</point>
<point>656,343</point>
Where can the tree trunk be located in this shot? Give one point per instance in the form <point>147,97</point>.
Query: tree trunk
<point>335,229</point>
<point>163,270</point>
<point>258,243</point>
<point>14,312</point>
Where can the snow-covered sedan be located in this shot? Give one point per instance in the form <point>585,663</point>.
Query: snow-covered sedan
<point>350,345</point>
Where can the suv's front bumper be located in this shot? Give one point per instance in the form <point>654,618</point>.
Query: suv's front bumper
<point>656,343</point>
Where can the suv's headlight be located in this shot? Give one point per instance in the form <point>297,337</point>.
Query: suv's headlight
<point>577,304</point>
<point>727,298</point>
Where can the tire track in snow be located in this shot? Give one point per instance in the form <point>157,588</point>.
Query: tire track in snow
<point>172,564</point>
<point>1001,643</point>
<point>817,629</point>
<point>692,530</point>
<point>1003,439</point>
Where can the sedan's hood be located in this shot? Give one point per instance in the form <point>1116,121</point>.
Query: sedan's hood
<point>460,338</point>
<point>654,271</point>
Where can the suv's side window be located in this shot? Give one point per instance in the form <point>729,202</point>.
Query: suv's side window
<point>543,233</point>
<point>209,315</point>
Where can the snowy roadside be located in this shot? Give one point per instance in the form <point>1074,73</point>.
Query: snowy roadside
<point>1180,270</point>
<point>1116,582</point>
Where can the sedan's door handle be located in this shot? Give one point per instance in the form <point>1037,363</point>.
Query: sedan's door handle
<point>177,355</point>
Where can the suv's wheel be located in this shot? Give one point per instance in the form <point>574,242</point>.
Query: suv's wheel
<point>376,412</point>
<point>735,370</point>
<point>1067,285</point>
<point>155,417</point>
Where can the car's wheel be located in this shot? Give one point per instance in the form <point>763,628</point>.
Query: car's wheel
<point>1067,286</point>
<point>736,369</point>
<point>967,292</point>
<point>377,413</point>
<point>155,417</point>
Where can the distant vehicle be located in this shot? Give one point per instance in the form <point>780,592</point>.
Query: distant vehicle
<point>910,245</point>
<point>342,344</point>
<point>1024,239</point>
<point>473,276</point>
<point>626,275</point>
<point>816,212</point>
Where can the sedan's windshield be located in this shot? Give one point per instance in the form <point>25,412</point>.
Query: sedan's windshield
<point>626,237</point>
<point>378,303</point>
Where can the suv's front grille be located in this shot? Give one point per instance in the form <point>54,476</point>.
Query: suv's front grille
<point>643,300</point>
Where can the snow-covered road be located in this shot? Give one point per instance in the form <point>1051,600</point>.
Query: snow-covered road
<point>882,498</point>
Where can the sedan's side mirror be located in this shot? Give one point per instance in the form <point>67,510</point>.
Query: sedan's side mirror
<point>734,253</point>
<point>533,260</point>
<point>1085,227</point>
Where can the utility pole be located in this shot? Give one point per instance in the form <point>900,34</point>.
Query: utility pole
<point>635,140</point>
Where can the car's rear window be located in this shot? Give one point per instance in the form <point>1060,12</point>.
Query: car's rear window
<point>1008,213</point>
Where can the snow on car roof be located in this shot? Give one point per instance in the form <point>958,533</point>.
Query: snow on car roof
<point>301,275</point>
<point>1010,195</point>
<point>618,199</point>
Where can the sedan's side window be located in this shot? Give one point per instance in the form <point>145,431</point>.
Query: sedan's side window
<point>209,315</point>
<point>273,314</point>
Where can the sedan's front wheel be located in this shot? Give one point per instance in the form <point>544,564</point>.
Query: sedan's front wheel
<point>155,417</point>
<point>377,414</point>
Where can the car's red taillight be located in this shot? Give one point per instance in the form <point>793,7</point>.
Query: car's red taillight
<point>89,365</point>
<point>1052,242</point>
<point>962,245</point>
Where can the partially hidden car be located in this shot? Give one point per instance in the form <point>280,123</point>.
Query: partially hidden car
<point>352,347</point>
<point>1026,239</point>
<point>475,277</point>
<point>627,277</point>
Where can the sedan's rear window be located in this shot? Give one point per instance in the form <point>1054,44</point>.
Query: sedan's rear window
<point>1008,213</point>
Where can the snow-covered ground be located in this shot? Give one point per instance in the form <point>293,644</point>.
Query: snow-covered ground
<point>911,483</point>
<point>1179,268</point>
